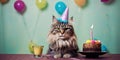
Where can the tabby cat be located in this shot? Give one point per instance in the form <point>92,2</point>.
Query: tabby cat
<point>62,40</point>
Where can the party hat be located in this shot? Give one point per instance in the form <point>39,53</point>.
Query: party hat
<point>65,16</point>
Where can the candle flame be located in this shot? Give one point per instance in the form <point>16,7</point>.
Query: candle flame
<point>92,26</point>
<point>39,0</point>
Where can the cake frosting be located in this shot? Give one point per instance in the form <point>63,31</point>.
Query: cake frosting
<point>92,46</point>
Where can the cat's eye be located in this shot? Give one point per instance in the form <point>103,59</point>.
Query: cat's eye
<point>68,30</point>
<point>55,31</point>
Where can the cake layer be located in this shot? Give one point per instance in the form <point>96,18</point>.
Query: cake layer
<point>91,47</point>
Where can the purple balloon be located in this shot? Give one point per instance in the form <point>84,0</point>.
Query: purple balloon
<point>105,1</point>
<point>19,6</point>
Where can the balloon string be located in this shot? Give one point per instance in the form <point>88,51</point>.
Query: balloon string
<point>25,24</point>
<point>31,35</point>
<point>1,12</point>
<point>2,19</point>
<point>2,15</point>
<point>2,35</point>
<point>36,23</point>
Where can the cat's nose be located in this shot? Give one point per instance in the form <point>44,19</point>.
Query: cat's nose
<point>62,31</point>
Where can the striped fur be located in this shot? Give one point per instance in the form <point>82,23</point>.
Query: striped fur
<point>62,40</point>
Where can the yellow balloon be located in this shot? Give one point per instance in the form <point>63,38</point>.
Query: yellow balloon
<point>41,4</point>
<point>80,3</point>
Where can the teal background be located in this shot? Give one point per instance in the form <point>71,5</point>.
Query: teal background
<point>15,36</point>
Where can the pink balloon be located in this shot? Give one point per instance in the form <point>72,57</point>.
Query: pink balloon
<point>19,6</point>
<point>105,1</point>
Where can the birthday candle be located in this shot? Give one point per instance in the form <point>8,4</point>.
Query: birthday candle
<point>91,32</point>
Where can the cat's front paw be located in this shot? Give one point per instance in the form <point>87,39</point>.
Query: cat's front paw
<point>57,56</point>
<point>66,55</point>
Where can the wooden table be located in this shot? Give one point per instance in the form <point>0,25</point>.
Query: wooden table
<point>47,57</point>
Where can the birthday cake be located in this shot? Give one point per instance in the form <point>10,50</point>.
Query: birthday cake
<point>92,46</point>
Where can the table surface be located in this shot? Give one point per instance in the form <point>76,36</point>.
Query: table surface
<point>47,57</point>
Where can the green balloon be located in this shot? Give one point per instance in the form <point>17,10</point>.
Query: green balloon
<point>41,4</point>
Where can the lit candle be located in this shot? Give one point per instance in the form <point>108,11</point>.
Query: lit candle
<point>91,32</point>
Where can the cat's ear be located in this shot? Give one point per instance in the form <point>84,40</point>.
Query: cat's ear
<point>71,20</point>
<point>54,20</point>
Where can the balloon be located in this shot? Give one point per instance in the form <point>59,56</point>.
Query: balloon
<point>80,3</point>
<point>105,1</point>
<point>108,1</point>
<point>3,1</point>
<point>19,6</point>
<point>41,4</point>
<point>60,7</point>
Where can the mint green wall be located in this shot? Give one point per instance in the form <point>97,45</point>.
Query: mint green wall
<point>14,37</point>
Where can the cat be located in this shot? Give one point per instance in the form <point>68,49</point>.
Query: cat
<point>62,39</point>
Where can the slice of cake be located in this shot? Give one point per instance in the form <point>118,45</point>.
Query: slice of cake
<point>92,46</point>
